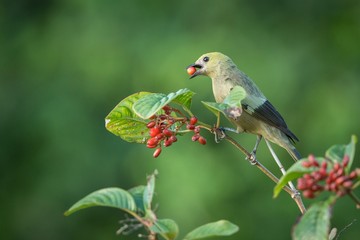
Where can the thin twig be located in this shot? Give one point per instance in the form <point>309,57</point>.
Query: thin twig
<point>252,159</point>
<point>355,198</point>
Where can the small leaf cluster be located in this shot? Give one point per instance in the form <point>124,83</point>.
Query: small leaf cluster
<point>152,118</point>
<point>137,202</point>
<point>331,173</point>
<point>148,118</point>
<point>314,175</point>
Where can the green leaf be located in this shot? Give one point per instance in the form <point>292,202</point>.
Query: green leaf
<point>350,150</point>
<point>167,228</point>
<point>184,98</point>
<point>107,197</point>
<point>231,106</point>
<point>150,104</point>
<point>215,107</point>
<point>295,171</point>
<point>337,152</point>
<point>214,229</point>
<point>138,194</point>
<point>149,190</point>
<point>315,223</point>
<point>235,97</point>
<point>123,122</point>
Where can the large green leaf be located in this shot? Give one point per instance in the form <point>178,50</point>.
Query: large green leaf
<point>138,194</point>
<point>315,223</point>
<point>150,104</point>
<point>337,152</point>
<point>295,171</point>
<point>167,228</point>
<point>108,197</point>
<point>215,229</point>
<point>123,122</point>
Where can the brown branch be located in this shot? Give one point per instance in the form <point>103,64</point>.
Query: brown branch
<point>219,134</point>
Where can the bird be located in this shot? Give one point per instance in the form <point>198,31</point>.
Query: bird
<point>258,115</point>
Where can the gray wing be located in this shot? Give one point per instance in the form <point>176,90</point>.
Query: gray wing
<point>267,113</point>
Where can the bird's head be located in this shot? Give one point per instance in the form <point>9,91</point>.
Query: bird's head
<point>209,64</point>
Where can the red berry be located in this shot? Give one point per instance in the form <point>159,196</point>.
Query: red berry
<point>312,160</point>
<point>340,180</point>
<point>157,152</point>
<point>191,70</point>
<point>195,137</point>
<point>167,109</point>
<point>190,127</point>
<point>152,143</point>
<point>316,188</point>
<point>340,172</point>
<point>333,187</point>
<point>348,184</point>
<point>316,175</point>
<point>331,177</point>
<point>160,136</point>
<point>301,184</point>
<point>323,173</point>
<point>307,176</point>
<point>173,138</point>
<point>202,140</point>
<point>197,129</point>
<point>324,165</point>
<point>167,142</point>
<point>308,194</point>
<point>310,182</point>
<point>167,132</point>
<point>193,120</point>
<point>306,164</point>
<point>352,175</point>
<point>154,131</point>
<point>151,124</point>
<point>336,166</point>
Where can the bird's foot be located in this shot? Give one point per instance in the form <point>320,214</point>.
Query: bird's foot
<point>219,133</point>
<point>252,158</point>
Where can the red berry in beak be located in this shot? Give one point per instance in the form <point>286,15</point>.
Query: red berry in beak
<point>191,70</point>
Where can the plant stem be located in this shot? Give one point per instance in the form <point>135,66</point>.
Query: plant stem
<point>355,198</point>
<point>252,159</point>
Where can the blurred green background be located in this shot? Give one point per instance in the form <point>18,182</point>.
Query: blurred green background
<point>65,64</point>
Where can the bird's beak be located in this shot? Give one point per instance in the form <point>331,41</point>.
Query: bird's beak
<point>198,70</point>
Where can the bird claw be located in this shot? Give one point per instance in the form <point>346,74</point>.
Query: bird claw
<point>219,134</point>
<point>252,158</point>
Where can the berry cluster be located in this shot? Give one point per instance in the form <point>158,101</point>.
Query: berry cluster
<point>191,126</point>
<point>336,179</point>
<point>164,127</point>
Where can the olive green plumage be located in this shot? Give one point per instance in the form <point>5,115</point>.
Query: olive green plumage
<point>259,116</point>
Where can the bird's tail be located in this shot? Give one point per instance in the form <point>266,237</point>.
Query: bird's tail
<point>294,153</point>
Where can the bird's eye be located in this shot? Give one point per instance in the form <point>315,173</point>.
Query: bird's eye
<point>206,59</point>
